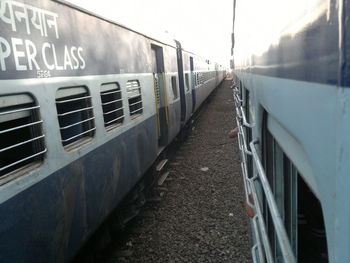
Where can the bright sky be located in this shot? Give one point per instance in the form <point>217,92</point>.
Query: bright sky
<point>202,26</point>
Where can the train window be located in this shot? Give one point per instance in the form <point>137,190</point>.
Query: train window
<point>75,115</point>
<point>112,105</point>
<point>174,87</point>
<point>201,80</point>
<point>21,135</point>
<point>133,90</point>
<point>299,208</point>
<point>187,80</point>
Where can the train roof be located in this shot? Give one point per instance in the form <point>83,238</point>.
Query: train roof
<point>161,38</point>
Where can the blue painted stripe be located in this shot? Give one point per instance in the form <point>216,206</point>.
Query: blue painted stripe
<point>49,221</point>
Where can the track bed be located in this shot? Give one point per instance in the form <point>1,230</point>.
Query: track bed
<point>197,214</point>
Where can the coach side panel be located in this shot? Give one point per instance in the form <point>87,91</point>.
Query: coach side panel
<point>52,54</point>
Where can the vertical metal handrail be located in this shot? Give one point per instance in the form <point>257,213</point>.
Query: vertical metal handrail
<point>254,248</point>
<point>244,119</point>
<point>244,146</point>
<point>262,245</point>
<point>281,233</point>
<point>258,241</point>
<point>258,228</point>
<point>249,188</point>
<point>260,219</point>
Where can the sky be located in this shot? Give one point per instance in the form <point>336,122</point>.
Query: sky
<point>202,26</point>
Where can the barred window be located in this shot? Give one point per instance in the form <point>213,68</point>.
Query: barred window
<point>21,135</point>
<point>133,90</point>
<point>112,104</point>
<point>75,114</point>
<point>174,87</point>
<point>187,81</point>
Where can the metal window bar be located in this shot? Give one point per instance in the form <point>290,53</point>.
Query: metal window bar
<point>76,136</point>
<point>112,101</point>
<point>22,160</point>
<point>133,88</point>
<point>135,111</point>
<point>21,126</point>
<point>115,110</point>
<point>77,123</point>
<point>73,99</point>
<point>132,83</point>
<point>74,111</point>
<point>135,103</point>
<point>21,143</point>
<point>19,110</point>
<point>17,145</point>
<point>132,97</point>
<point>114,120</point>
<point>111,92</point>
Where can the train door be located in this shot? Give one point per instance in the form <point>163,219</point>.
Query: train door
<point>160,94</point>
<point>193,85</point>
<point>180,69</point>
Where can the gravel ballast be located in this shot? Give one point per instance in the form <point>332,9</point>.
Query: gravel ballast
<point>197,214</point>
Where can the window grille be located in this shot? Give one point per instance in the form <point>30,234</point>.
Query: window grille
<point>133,90</point>
<point>200,78</point>
<point>75,114</point>
<point>187,80</point>
<point>157,89</point>
<point>174,87</point>
<point>21,135</point>
<point>112,104</point>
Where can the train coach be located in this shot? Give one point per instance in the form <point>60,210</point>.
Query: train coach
<point>86,107</point>
<point>292,102</point>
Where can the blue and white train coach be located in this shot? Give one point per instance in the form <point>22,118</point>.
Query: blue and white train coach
<point>292,100</point>
<point>86,106</point>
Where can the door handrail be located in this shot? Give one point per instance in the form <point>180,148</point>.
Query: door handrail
<point>281,233</point>
<point>244,119</point>
<point>261,250</point>
<point>250,189</point>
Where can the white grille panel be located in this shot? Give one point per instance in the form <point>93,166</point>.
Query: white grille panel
<point>133,90</point>
<point>21,135</point>
<point>112,104</point>
<point>75,114</point>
